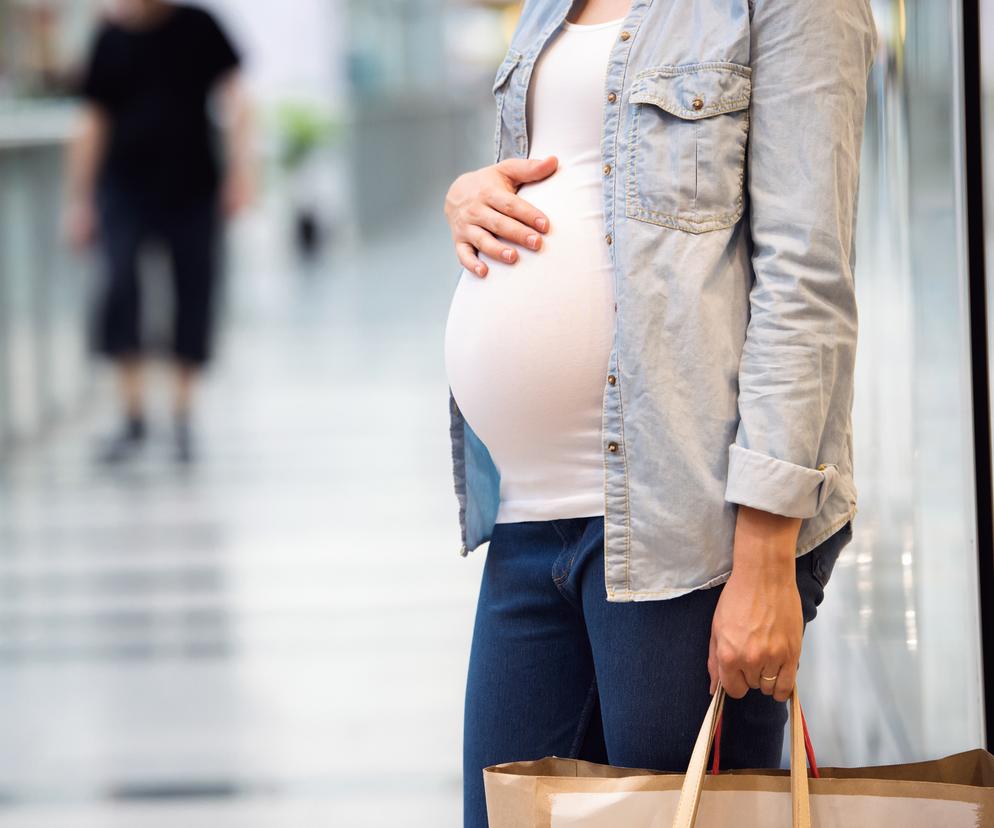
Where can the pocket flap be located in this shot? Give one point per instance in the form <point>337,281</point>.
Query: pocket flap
<point>694,90</point>
<point>510,61</point>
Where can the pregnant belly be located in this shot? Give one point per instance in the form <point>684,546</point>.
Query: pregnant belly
<point>527,347</point>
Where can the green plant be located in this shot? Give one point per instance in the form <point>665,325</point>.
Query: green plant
<point>302,128</point>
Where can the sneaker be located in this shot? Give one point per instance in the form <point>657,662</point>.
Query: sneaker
<point>125,444</point>
<point>184,441</point>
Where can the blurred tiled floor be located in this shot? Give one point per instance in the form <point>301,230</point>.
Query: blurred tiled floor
<point>277,636</point>
<point>246,812</point>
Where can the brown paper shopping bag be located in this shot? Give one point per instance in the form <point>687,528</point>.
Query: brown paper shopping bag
<point>955,792</point>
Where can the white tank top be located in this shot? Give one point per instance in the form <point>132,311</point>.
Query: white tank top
<point>527,347</point>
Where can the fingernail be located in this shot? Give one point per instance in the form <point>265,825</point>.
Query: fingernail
<point>541,224</point>
<point>532,241</point>
<point>479,270</point>
<point>508,255</point>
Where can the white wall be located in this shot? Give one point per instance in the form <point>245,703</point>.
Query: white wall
<point>293,48</point>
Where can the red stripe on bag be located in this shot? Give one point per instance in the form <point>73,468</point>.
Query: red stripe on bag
<point>808,747</point>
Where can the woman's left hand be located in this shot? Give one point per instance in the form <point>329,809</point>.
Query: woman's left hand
<point>758,624</point>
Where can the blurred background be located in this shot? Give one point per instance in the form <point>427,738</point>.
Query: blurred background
<point>279,631</point>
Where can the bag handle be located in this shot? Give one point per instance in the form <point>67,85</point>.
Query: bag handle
<point>808,748</point>
<point>690,794</point>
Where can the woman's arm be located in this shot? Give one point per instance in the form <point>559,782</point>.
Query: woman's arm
<point>810,61</point>
<point>758,623</point>
<point>83,158</point>
<point>238,187</point>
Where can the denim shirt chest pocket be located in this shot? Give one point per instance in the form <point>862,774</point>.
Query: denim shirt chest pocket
<point>689,126</point>
<point>501,89</point>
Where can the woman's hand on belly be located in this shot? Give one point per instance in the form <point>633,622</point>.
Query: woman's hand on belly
<point>482,207</point>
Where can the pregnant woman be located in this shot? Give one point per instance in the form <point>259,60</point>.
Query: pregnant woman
<point>650,355</point>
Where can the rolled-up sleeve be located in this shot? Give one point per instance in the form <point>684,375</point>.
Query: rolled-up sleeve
<point>810,62</point>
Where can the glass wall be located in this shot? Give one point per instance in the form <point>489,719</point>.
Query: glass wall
<point>421,84</point>
<point>987,115</point>
<point>43,367</point>
<point>892,667</point>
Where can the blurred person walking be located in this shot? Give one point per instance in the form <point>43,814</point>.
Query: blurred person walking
<point>650,354</point>
<point>142,165</point>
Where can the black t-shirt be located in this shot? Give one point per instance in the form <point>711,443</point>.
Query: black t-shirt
<point>154,84</point>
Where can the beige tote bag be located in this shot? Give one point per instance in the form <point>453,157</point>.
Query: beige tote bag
<point>955,792</point>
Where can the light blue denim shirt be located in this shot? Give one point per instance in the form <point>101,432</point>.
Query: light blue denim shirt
<point>731,140</point>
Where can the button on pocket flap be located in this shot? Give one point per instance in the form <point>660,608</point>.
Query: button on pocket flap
<point>695,90</point>
<point>509,62</point>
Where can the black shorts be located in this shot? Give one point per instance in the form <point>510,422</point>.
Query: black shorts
<point>189,233</point>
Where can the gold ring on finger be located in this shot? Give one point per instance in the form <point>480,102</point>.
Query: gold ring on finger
<point>770,678</point>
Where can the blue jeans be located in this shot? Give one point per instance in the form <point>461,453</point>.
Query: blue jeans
<point>556,669</point>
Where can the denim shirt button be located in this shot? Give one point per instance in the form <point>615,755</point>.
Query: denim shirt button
<point>607,169</point>
<point>607,238</point>
<point>625,35</point>
<point>612,446</point>
<point>611,379</point>
<point>697,103</point>
<point>611,97</point>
